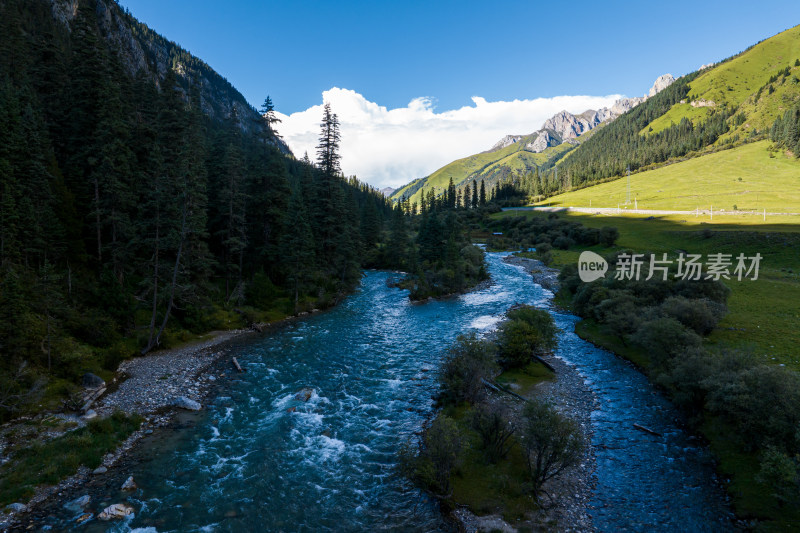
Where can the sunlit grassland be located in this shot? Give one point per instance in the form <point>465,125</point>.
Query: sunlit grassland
<point>763,315</point>
<point>745,178</point>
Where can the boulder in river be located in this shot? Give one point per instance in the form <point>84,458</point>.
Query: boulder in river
<point>78,503</point>
<point>17,507</point>
<point>185,403</point>
<point>100,470</point>
<point>129,484</point>
<point>304,394</point>
<point>91,381</point>
<point>116,511</point>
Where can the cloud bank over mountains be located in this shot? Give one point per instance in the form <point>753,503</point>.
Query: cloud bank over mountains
<point>390,147</point>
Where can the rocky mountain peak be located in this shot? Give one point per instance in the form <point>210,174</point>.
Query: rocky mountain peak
<point>569,126</point>
<point>565,127</point>
<point>661,83</point>
<point>508,140</point>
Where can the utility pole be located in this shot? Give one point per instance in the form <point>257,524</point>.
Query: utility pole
<point>628,195</point>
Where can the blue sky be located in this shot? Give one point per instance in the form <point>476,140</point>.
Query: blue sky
<point>389,54</point>
<point>392,51</point>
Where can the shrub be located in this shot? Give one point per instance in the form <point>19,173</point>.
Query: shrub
<point>494,428</point>
<point>546,258</point>
<point>663,339</point>
<point>464,368</point>
<point>763,402</point>
<point>518,340</point>
<point>430,463</point>
<point>780,473</point>
<point>542,321</point>
<point>716,291</point>
<point>619,313</point>
<point>552,443</point>
<point>562,242</point>
<point>527,331</point>
<point>700,315</point>
<point>608,235</point>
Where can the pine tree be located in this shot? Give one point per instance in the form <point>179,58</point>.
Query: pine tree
<point>451,195</point>
<point>482,199</point>
<point>328,157</point>
<point>268,112</point>
<point>297,245</point>
<point>474,195</point>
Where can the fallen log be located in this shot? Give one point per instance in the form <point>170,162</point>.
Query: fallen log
<point>237,365</point>
<point>90,399</point>
<point>499,388</point>
<point>647,430</point>
<point>545,363</point>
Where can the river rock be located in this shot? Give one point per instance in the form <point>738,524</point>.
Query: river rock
<point>89,414</point>
<point>129,484</point>
<point>17,507</point>
<point>78,503</point>
<point>185,403</point>
<point>100,470</point>
<point>304,394</point>
<point>83,518</point>
<point>116,511</point>
<point>91,381</point>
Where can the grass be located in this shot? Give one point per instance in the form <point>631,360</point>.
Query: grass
<point>596,334</point>
<point>745,177</point>
<point>735,83</point>
<point>50,462</point>
<point>675,115</point>
<point>489,488</point>
<point>762,314</point>
<point>513,157</point>
<point>524,380</point>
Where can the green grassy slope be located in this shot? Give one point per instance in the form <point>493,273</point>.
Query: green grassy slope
<point>735,83</point>
<point>745,177</point>
<point>485,165</point>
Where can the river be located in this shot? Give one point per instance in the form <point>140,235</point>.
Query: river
<point>257,459</point>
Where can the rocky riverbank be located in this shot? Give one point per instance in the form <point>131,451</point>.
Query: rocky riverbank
<point>568,509</point>
<point>542,274</point>
<point>157,387</point>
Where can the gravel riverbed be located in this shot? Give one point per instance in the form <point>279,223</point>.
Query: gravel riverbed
<point>147,386</point>
<point>569,508</point>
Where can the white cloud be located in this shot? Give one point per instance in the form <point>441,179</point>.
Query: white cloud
<point>390,147</point>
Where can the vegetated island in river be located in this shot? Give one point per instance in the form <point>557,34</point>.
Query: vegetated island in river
<point>510,441</point>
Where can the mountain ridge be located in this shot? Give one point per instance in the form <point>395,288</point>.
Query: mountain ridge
<point>142,51</point>
<point>528,152</point>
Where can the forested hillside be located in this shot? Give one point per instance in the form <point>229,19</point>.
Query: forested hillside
<point>142,201</point>
<point>722,106</point>
<point>733,102</point>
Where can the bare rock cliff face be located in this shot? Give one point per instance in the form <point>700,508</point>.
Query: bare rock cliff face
<point>142,50</point>
<point>566,127</point>
<point>508,140</point>
<point>661,83</point>
<point>569,126</point>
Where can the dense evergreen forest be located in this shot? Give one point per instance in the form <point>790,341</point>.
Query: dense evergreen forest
<point>785,131</point>
<point>134,215</point>
<point>442,259</point>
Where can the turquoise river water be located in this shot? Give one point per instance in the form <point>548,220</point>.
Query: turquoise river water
<point>250,462</point>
